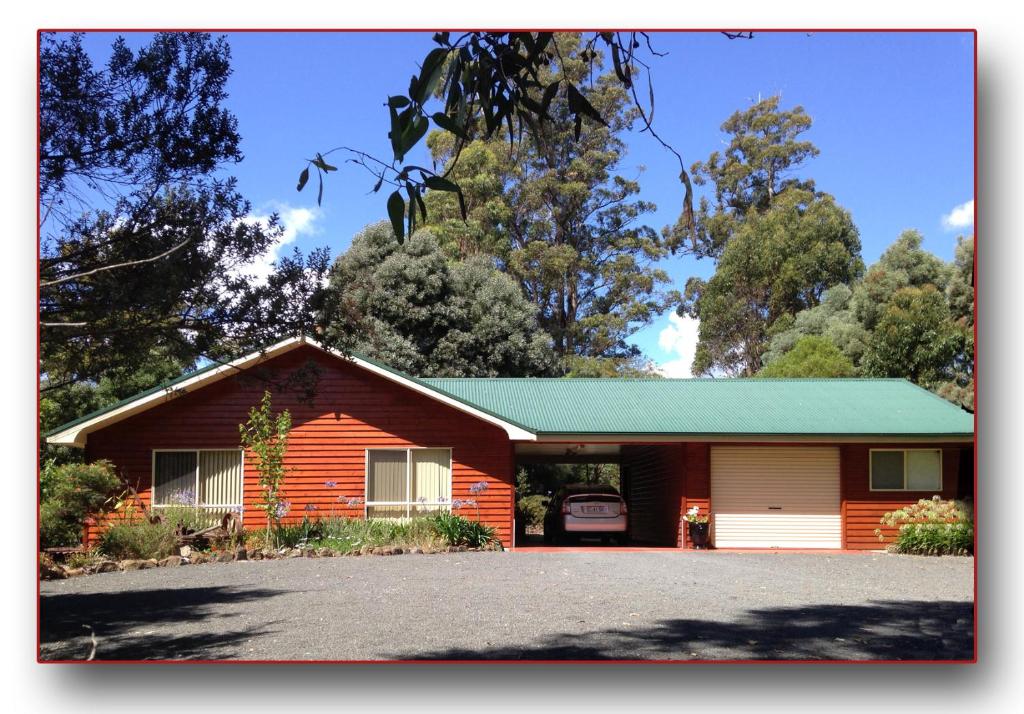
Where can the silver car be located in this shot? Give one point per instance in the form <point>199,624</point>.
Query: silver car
<point>586,510</point>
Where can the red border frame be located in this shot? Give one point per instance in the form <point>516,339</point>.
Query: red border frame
<point>974,660</point>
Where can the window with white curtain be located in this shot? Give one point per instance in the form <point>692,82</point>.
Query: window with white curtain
<point>204,478</point>
<point>401,483</point>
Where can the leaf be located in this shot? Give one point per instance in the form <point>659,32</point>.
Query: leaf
<point>376,186</point>
<point>441,38</point>
<point>578,105</point>
<point>420,88</point>
<point>396,212</point>
<point>413,133</point>
<point>323,165</point>
<point>303,178</point>
<point>440,184</point>
<point>397,102</point>
<point>320,193</point>
<point>450,125</point>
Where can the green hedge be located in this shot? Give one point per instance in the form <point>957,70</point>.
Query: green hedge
<point>935,539</point>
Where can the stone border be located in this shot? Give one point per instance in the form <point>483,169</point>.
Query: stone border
<point>48,570</point>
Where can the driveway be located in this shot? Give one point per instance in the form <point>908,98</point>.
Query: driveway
<point>650,606</point>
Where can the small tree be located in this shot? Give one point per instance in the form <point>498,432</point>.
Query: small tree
<point>266,436</point>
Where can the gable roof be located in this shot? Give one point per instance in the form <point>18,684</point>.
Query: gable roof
<point>75,433</point>
<point>717,407</point>
<point>531,409</point>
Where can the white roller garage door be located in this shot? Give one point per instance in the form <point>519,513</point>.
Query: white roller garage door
<point>775,497</point>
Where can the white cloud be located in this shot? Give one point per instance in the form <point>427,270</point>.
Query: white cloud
<point>295,222</point>
<point>678,338</point>
<point>960,217</point>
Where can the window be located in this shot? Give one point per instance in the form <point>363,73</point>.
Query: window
<point>407,482</point>
<point>906,470</point>
<point>203,478</point>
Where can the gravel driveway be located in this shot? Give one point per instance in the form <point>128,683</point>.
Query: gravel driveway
<point>649,606</point>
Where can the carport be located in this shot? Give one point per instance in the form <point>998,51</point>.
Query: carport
<point>651,482</point>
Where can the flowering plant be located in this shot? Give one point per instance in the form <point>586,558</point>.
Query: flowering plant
<point>694,516</point>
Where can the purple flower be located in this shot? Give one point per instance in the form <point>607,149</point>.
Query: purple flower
<point>184,497</point>
<point>422,499</point>
<point>479,487</point>
<point>456,503</point>
<point>282,509</point>
<point>330,484</point>
<point>310,507</point>
<point>354,501</point>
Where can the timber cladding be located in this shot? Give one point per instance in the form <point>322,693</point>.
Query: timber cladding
<point>862,507</point>
<point>353,410</point>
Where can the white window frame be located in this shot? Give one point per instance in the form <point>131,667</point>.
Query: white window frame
<point>871,467</point>
<point>239,507</point>
<point>408,502</point>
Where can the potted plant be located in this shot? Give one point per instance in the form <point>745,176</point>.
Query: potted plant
<point>697,525</point>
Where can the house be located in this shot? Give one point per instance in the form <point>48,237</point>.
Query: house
<point>783,463</point>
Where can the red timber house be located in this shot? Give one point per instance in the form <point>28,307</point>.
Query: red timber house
<point>778,463</point>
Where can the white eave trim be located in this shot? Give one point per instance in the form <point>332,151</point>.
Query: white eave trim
<point>77,434</point>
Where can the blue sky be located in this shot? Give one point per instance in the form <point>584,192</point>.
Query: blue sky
<point>892,112</point>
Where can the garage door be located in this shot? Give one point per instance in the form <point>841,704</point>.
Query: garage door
<point>775,497</point>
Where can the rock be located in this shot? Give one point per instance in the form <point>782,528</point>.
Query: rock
<point>225,556</point>
<point>198,557</point>
<point>324,552</point>
<point>377,551</point>
<point>185,551</point>
<point>74,572</point>
<point>106,566</point>
<point>295,553</point>
<point>415,551</point>
<point>396,551</point>
<point>241,554</point>
<point>255,555</point>
<point>134,564</point>
<point>48,570</point>
<point>365,550</point>
<point>309,552</point>
<point>171,561</point>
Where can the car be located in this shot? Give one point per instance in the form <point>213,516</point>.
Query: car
<point>580,510</point>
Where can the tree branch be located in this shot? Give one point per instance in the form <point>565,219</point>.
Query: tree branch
<point>50,283</point>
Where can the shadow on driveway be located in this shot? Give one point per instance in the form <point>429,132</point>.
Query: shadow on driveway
<point>144,624</point>
<point>887,630</point>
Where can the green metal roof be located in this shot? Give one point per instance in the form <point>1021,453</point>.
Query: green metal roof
<point>770,407</point>
<point>853,407</point>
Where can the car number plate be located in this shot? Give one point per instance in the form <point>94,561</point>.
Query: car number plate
<point>595,509</point>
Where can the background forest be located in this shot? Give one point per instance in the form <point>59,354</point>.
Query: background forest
<point>525,249</point>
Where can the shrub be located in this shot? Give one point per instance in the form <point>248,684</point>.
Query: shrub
<point>457,530</point>
<point>531,509</point>
<point>931,527</point>
<point>138,539</point>
<point>68,495</point>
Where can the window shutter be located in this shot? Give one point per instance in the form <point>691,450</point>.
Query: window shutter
<point>431,474</point>
<point>220,478</point>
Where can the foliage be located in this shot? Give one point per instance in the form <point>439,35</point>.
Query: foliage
<point>488,81</point>
<point>811,357</point>
<point>265,435</point>
<point>346,535</point>
<point>911,316</point>
<point>693,515</point>
<point>915,338</point>
<point>553,212</point>
<point>931,527</point>
<point>68,495</point>
<point>832,319</point>
<point>754,168</point>
<point>410,307</point>
<point>774,264</point>
<point>456,530</point>
<point>139,538</point>
<point>144,239</point>
<point>532,509</point>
